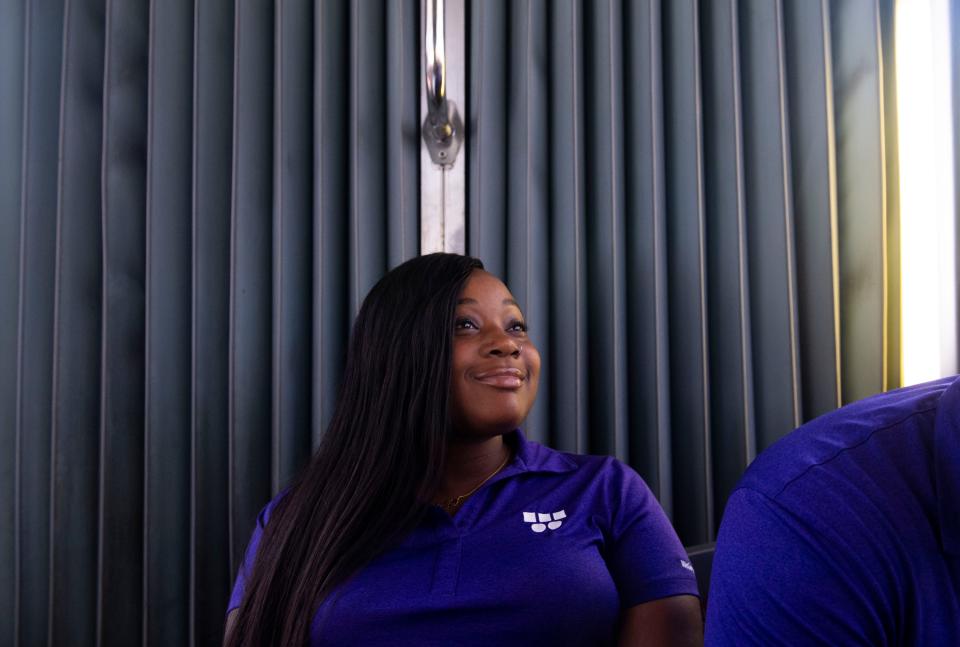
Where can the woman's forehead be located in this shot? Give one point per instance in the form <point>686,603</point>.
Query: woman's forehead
<point>483,287</point>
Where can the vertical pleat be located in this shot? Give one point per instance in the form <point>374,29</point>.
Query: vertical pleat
<point>210,565</point>
<point>77,328</point>
<point>813,163</point>
<point>891,185</point>
<point>292,254</point>
<point>770,223</point>
<point>43,37</point>
<point>12,86</point>
<point>605,227</point>
<point>368,245</point>
<point>166,539</point>
<point>527,184</point>
<point>731,370</point>
<point>689,392</point>
<point>648,394</point>
<point>122,373</point>
<point>331,154</point>
<point>861,186</point>
<point>567,354</point>
<point>250,269</point>
<point>489,25</point>
<point>402,108</point>
<point>955,96</point>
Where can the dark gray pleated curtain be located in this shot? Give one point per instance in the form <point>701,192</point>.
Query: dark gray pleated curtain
<point>194,201</point>
<point>694,201</point>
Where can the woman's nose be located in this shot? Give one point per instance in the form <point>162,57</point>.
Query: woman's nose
<point>504,345</point>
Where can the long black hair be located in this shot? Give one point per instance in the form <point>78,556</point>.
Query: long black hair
<point>379,461</point>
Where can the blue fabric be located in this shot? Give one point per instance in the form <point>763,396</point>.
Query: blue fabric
<point>846,532</point>
<point>549,551</point>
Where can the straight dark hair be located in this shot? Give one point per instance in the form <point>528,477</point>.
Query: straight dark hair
<point>379,462</point>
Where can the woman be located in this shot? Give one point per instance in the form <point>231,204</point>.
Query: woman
<point>425,517</point>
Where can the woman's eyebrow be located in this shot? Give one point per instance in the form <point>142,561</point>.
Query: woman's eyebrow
<point>506,302</point>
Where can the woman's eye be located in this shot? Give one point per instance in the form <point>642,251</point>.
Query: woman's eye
<point>517,326</point>
<point>464,324</point>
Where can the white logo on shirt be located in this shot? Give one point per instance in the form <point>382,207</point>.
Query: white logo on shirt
<point>687,565</point>
<point>542,521</point>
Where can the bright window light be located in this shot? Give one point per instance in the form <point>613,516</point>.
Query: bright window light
<point>928,281</point>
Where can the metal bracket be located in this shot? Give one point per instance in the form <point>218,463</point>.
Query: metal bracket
<point>442,128</point>
<point>443,133</point>
<point>442,183</point>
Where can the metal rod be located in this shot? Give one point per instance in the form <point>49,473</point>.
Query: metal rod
<point>435,53</point>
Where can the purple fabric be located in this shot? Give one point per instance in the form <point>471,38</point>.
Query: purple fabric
<point>548,552</point>
<point>846,531</point>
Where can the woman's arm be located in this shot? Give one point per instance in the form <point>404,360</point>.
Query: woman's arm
<point>668,621</point>
<point>231,620</point>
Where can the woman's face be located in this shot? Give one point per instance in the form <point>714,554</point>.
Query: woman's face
<point>496,368</point>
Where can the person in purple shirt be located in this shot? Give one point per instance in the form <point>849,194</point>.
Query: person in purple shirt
<point>426,518</point>
<point>847,531</point>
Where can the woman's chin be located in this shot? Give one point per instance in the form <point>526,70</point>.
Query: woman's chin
<point>481,430</point>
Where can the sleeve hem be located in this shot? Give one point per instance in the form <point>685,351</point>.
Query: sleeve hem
<point>662,588</point>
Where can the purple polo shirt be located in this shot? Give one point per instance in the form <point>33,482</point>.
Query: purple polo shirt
<point>847,531</point>
<point>549,551</point>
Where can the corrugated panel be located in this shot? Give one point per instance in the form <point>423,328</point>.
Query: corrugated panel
<point>331,105</point>
<point>77,328</point>
<point>648,349</point>
<point>212,91</point>
<point>489,163</point>
<point>43,36</point>
<point>813,165</point>
<point>402,161</point>
<point>605,229</point>
<point>568,312</point>
<point>184,222</point>
<point>251,274</point>
<point>891,158</point>
<point>955,77</point>
<point>368,200</point>
<point>526,269</point>
<point>292,236</point>
<point>120,509</point>
<point>11,133</point>
<point>732,402</point>
<point>771,248</point>
<point>861,196</point>
<point>700,274</point>
<point>165,593</point>
<point>686,273</point>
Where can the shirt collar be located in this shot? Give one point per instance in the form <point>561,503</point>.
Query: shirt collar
<point>947,467</point>
<point>533,457</point>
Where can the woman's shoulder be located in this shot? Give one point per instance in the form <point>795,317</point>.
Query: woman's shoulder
<point>267,510</point>
<point>607,473</point>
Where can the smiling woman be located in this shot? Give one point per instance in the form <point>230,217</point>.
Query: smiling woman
<point>426,517</point>
<point>496,368</point>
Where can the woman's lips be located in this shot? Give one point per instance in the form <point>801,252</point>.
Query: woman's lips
<point>502,378</point>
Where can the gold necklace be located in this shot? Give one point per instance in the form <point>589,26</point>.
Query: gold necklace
<point>452,505</point>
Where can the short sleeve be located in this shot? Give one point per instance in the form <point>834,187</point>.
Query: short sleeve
<point>778,579</point>
<point>644,554</point>
<point>239,585</point>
